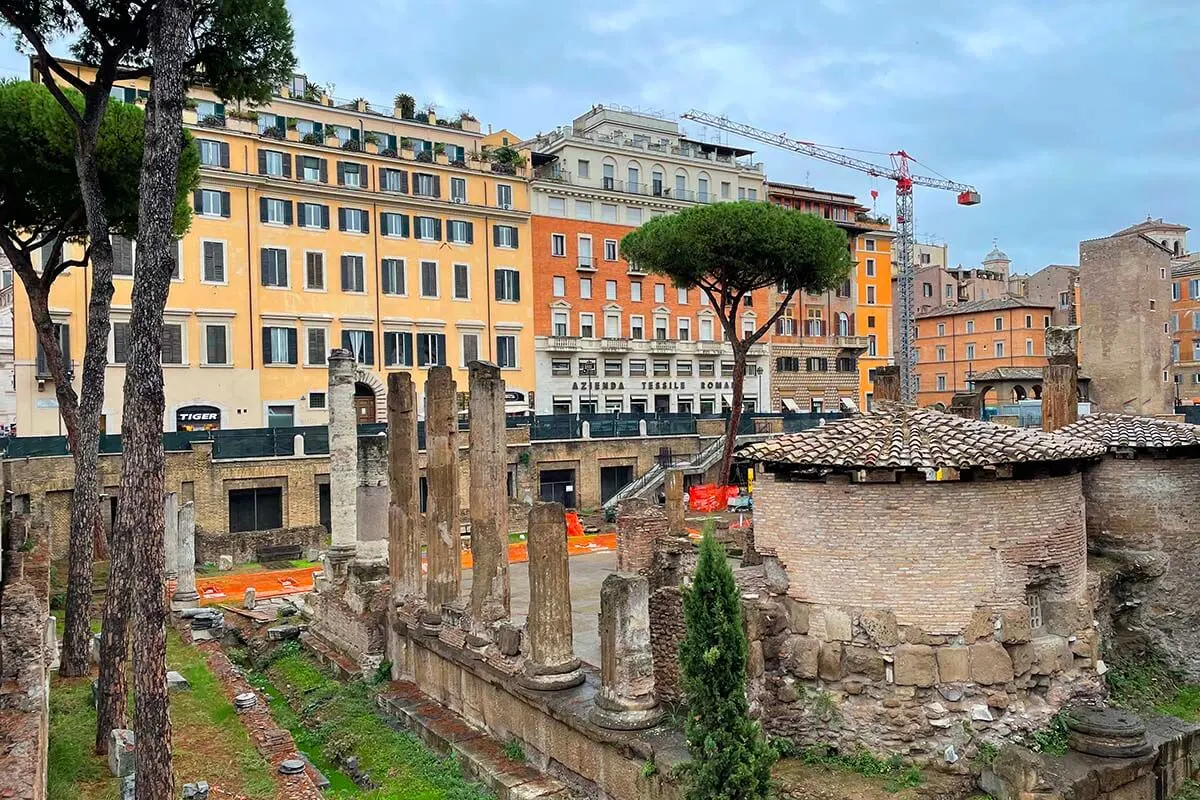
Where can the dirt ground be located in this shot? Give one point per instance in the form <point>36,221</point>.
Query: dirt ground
<point>798,781</point>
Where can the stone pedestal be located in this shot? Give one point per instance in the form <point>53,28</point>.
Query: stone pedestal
<point>552,663</point>
<point>1060,395</point>
<point>444,581</point>
<point>185,595</point>
<point>626,700</point>
<point>170,535</point>
<point>675,510</point>
<point>488,456</point>
<point>404,518</point>
<point>343,460</point>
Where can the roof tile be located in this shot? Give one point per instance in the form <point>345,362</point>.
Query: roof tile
<point>1126,430</point>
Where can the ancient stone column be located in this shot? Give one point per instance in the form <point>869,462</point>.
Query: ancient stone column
<point>626,700</point>
<point>887,385</point>
<point>488,456</point>
<point>343,457</point>
<point>404,518</point>
<point>675,510</point>
<point>1060,381</point>
<point>170,534</point>
<point>185,595</point>
<point>552,663</point>
<point>444,581</point>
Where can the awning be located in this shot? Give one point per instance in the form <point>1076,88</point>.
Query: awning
<point>849,405</point>
<point>790,405</point>
<point>516,408</point>
<point>727,400</point>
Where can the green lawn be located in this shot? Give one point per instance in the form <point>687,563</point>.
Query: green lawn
<point>208,741</point>
<point>332,720</point>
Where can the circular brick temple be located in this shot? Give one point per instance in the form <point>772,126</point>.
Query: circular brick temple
<point>1143,526</point>
<point>936,581</point>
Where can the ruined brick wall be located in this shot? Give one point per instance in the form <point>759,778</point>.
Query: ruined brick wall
<point>1143,513</point>
<point>667,630</point>
<point>930,551</point>
<point>351,614</point>
<point>244,546</point>
<point>639,525</point>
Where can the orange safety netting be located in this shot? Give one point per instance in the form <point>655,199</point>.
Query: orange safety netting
<point>710,497</point>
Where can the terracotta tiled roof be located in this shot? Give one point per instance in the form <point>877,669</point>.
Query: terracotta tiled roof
<point>1013,374</point>
<point>898,437</point>
<point>1126,430</point>
<point>973,306</point>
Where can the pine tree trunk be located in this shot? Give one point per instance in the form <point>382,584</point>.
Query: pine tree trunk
<point>141,511</point>
<point>740,349</point>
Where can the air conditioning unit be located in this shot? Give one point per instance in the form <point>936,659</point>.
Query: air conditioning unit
<point>506,205</point>
<point>460,199</point>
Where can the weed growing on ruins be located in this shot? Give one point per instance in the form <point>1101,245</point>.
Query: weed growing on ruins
<point>986,754</point>
<point>1150,684</point>
<point>514,752</point>
<point>383,673</point>
<point>1189,791</point>
<point>730,758</point>
<point>649,769</point>
<point>1051,739</point>
<point>897,776</point>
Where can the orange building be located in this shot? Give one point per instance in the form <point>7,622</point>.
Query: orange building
<point>959,342</point>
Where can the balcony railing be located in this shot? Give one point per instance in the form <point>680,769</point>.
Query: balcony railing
<point>853,342</point>
<point>645,145</point>
<point>587,263</point>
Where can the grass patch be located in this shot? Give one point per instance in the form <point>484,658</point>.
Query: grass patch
<point>340,720</point>
<point>1150,684</point>
<point>208,741</point>
<point>1050,739</point>
<point>896,775</point>
<point>514,752</point>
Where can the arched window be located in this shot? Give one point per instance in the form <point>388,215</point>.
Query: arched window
<point>702,190</point>
<point>843,324</point>
<point>634,177</point>
<point>681,185</point>
<point>609,168</point>
<point>656,181</point>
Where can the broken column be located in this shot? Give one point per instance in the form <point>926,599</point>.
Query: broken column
<point>1060,378</point>
<point>170,534</point>
<point>404,518</point>
<point>185,595</point>
<point>675,509</point>
<point>343,458</point>
<point>552,663</point>
<point>443,583</point>
<point>626,700</point>
<point>488,499</point>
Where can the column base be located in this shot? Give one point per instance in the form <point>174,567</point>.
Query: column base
<point>477,646</point>
<point>543,678</point>
<point>624,714</point>
<point>431,623</point>
<point>341,552</point>
<point>182,600</point>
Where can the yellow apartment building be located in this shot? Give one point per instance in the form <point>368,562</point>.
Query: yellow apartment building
<point>873,286</point>
<point>317,225</point>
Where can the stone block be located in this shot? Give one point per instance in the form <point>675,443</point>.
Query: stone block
<point>981,626</point>
<point>880,626</point>
<point>508,640</point>
<point>830,661</point>
<point>1051,654</point>
<point>1022,658</point>
<point>1086,644</point>
<point>1014,626</point>
<point>915,665</point>
<point>282,632</point>
<point>754,660</point>
<point>837,625</point>
<point>176,682</point>
<point>990,663</point>
<point>952,664</point>
<point>805,662</point>
<point>863,661</point>
<point>250,598</point>
<point>225,563</point>
<point>799,613</point>
<point>752,622</point>
<point>121,752</point>
<point>1065,617</point>
<point>95,648</point>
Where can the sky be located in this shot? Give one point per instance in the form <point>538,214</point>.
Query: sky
<point>1072,118</point>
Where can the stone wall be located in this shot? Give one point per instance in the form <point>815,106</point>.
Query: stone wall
<point>1142,514</point>
<point>350,613</point>
<point>245,546</point>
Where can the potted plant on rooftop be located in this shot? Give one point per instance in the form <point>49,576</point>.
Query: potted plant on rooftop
<point>405,105</point>
<point>439,152</point>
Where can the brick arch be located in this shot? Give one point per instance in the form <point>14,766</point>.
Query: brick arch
<point>368,378</point>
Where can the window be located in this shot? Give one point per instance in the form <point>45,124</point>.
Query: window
<point>560,366</point>
<point>1029,347</point>
<point>272,162</point>
<point>941,353</point>
<point>361,345</point>
<point>635,291</point>
<point>312,169</point>
<point>560,322</point>
<point>585,288</point>
<point>970,326</point>
<point>462,282</point>
<point>706,329</point>
<point>681,186</point>
<point>817,364</point>
<point>393,180</point>
<point>213,153</point>
<point>275,212</point>
<point>279,345</point>
<point>429,279</point>
<point>274,267</point>
<point>708,369</point>
<point>428,229</point>
<point>872,345</point>
<point>752,194</point>
<point>353,277</point>
<point>470,347</point>
<point>662,368</point>
<point>610,249</point>
<point>211,203</point>
<point>610,290</point>
<point>612,325</point>
<point>685,329</point>
<point>637,327</point>
<point>458,190</point>
<point>504,196</point>
<point>725,187</point>
<point>870,295</point>
<point>352,175</point>
<point>587,367</point>
<point>681,296</point>
<point>999,350</point>
<point>583,209</point>
<point>583,168</point>
<point>557,206</point>
<point>941,383</point>
<point>397,349</point>
<point>560,286</point>
<point>869,244</point>
<point>460,232</point>
<point>213,258</point>
<point>314,271</point>
<point>741,193</point>
<point>313,215</point>
<point>683,369</point>
<point>316,400</point>
<point>504,236</point>
<point>634,175</point>
<point>846,364</point>
<point>1174,290</point>
<point>216,344</point>
<point>927,289</point>
<point>660,292</point>
<point>586,261</point>
<point>587,325</point>
<point>702,190</point>
<point>610,176</point>
<point>999,322</point>
<point>391,276</point>
<point>317,350</point>
<point>613,368</point>
<point>970,353</point>
<point>660,328</point>
<point>608,212</point>
<point>637,367</point>
<point>633,216</point>
<point>1174,323</point>
<point>353,220</point>
<point>726,369</point>
<point>558,244</point>
<point>259,509</point>
<point>426,185</point>
<point>941,329</point>
<point>431,349</point>
<point>949,292</point>
<point>871,268</point>
<point>871,321</point>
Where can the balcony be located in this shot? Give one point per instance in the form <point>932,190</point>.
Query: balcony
<point>586,264</point>
<point>612,345</point>
<point>564,344</point>
<point>852,342</point>
<point>669,144</point>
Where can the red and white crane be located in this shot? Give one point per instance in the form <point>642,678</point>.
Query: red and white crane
<point>898,171</point>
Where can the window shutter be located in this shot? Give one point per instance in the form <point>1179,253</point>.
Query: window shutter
<point>385,227</point>
<point>385,284</point>
<point>120,342</point>
<point>198,201</point>
<point>364,175</point>
<point>406,349</point>
<point>262,209</point>
<point>516,281</point>
<point>390,340</point>
<point>341,219</point>
<point>345,275</point>
<point>370,348</point>
<point>291,340</point>
<point>437,186</point>
<point>341,173</point>
<point>266,346</point>
<point>382,173</point>
<point>404,181</point>
<point>324,171</point>
<point>470,232</point>
<point>470,348</point>
<point>499,281</point>
<point>423,350</point>
<point>366,222</point>
<point>316,345</point>
<point>325,217</point>
<point>287,212</point>
<point>225,154</point>
<point>495,235</point>
<point>225,206</point>
<point>515,241</point>
<point>262,162</point>
<point>404,229</point>
<point>287,165</point>
<point>437,229</point>
<point>441,349</point>
<point>265,263</point>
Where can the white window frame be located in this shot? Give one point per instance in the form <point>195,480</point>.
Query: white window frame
<point>421,279</point>
<point>324,272</point>
<point>403,275</point>
<point>454,288</point>
<point>183,340</point>
<point>558,286</point>
<point>501,190</point>
<point>224,261</point>
<point>462,347</point>
<point>610,250</point>
<point>205,194</point>
<point>557,318</point>
<point>587,319</point>
<point>637,321</point>
<point>362,261</point>
<point>610,290</point>
<point>558,245</point>
<point>308,362</point>
<point>635,291</point>
<point>205,324</point>
<point>287,259</point>
<point>516,350</point>
<point>455,196</point>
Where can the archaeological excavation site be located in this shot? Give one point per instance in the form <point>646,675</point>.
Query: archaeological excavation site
<point>927,605</point>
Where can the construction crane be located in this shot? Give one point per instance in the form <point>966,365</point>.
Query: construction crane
<point>899,172</point>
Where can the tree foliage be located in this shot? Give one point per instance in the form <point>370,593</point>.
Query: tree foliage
<point>730,758</point>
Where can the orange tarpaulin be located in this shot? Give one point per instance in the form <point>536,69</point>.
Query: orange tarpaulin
<point>710,497</point>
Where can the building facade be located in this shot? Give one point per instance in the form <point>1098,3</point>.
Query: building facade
<point>610,337</point>
<point>957,342</point>
<point>317,225</point>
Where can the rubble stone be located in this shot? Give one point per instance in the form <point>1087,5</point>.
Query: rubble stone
<point>880,626</point>
<point>952,663</point>
<point>990,663</point>
<point>915,665</point>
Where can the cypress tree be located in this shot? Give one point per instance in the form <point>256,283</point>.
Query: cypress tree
<point>730,758</point>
